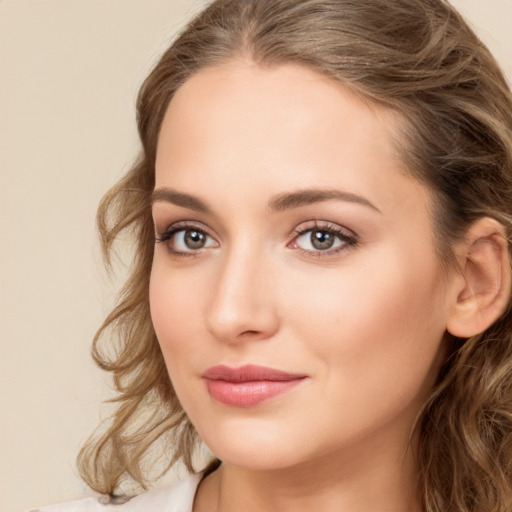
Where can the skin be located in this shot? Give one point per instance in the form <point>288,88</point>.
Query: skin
<point>363,321</point>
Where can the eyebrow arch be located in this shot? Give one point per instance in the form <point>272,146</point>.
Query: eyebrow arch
<point>179,199</point>
<point>306,197</point>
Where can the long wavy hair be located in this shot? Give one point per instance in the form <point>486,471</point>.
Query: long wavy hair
<point>417,57</point>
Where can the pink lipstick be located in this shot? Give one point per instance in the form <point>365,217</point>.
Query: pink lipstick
<point>248,385</point>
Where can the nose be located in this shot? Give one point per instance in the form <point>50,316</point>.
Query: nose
<point>242,306</point>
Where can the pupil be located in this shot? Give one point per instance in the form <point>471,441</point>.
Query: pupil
<point>194,239</point>
<point>322,240</point>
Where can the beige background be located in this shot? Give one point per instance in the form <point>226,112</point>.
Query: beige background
<point>69,72</point>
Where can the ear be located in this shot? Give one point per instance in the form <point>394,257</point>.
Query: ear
<point>482,290</point>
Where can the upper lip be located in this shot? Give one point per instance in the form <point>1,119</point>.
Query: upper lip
<point>248,373</point>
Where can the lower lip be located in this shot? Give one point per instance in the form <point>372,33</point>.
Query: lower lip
<point>248,394</point>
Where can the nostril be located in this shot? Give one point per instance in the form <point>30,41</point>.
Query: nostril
<point>249,333</point>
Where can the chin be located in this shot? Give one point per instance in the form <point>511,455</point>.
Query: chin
<point>255,458</point>
<point>253,446</point>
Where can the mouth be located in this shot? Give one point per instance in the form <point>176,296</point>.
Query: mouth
<point>248,385</point>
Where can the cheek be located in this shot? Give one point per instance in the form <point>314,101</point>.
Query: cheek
<point>373,328</point>
<point>174,303</point>
<point>174,311</point>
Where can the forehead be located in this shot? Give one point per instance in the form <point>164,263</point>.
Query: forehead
<point>263,103</point>
<point>272,129</point>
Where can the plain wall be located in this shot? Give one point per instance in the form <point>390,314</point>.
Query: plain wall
<point>69,73</point>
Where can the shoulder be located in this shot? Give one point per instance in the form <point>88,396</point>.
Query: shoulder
<point>177,497</point>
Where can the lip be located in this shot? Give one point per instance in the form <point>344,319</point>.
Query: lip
<point>248,385</point>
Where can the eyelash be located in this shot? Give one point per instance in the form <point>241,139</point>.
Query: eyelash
<point>347,238</point>
<point>172,230</point>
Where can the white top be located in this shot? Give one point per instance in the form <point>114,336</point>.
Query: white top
<point>177,497</point>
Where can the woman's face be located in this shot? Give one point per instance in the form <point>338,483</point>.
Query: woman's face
<point>295,289</point>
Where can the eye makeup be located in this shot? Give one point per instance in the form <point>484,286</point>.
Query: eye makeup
<point>316,238</point>
<point>322,239</point>
<point>186,238</point>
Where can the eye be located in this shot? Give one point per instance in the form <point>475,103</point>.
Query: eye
<point>323,240</point>
<point>186,240</point>
<point>191,240</point>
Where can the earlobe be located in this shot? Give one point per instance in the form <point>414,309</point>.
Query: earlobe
<point>483,293</point>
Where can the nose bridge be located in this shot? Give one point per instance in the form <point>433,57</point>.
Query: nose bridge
<point>241,302</point>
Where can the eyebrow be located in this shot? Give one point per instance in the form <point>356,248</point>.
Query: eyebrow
<point>279,203</point>
<point>306,197</point>
<point>179,199</point>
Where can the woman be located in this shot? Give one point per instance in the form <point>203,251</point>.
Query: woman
<point>321,282</point>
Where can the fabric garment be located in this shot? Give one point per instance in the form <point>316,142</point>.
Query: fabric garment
<point>177,497</point>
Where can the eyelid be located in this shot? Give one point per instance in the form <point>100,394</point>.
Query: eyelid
<point>174,228</point>
<point>348,238</point>
<point>179,225</point>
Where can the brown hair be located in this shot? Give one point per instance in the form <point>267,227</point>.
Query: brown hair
<point>419,58</point>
